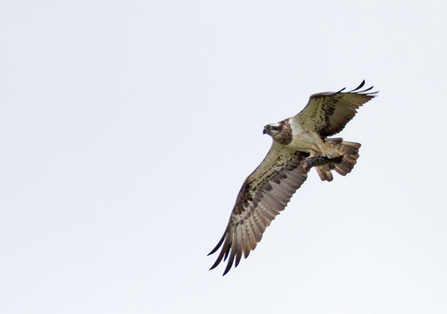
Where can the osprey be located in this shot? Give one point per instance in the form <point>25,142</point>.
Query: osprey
<point>299,143</point>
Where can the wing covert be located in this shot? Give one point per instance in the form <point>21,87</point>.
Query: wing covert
<point>264,194</point>
<point>328,113</point>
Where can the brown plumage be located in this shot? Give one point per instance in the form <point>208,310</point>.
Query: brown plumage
<point>299,143</point>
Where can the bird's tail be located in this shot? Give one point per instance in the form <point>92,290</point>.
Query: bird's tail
<point>348,155</point>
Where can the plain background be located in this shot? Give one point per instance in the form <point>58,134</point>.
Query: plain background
<point>128,127</point>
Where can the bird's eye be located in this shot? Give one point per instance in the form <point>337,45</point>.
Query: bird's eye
<point>271,127</point>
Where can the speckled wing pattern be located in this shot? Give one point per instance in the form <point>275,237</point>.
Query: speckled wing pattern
<point>328,113</point>
<point>264,194</point>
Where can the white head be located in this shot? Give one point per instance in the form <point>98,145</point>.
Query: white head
<point>280,132</point>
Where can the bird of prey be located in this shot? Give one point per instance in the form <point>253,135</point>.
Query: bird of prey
<point>299,144</point>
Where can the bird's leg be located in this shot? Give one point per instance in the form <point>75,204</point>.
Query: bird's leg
<point>315,157</point>
<point>314,161</point>
<point>329,149</point>
<point>321,161</point>
<point>323,153</point>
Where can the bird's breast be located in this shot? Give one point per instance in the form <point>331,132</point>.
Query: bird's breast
<point>303,140</point>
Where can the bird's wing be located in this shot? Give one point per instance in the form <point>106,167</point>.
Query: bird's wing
<point>328,113</point>
<point>263,195</point>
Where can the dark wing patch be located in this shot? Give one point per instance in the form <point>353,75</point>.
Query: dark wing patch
<point>264,194</point>
<point>328,113</point>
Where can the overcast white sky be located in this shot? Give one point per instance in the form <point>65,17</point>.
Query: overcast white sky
<point>128,127</point>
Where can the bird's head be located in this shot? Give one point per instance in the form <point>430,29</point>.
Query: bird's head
<point>280,132</point>
<point>272,129</point>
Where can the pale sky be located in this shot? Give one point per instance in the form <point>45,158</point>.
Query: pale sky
<point>128,127</point>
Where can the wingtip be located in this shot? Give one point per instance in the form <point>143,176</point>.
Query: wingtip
<point>358,87</point>
<point>227,269</point>
<point>366,91</point>
<point>217,262</point>
<point>218,244</point>
<point>361,85</point>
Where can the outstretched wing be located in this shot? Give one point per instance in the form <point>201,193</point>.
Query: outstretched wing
<point>263,195</point>
<point>328,113</point>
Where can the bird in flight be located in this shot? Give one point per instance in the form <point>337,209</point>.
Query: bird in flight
<point>299,144</point>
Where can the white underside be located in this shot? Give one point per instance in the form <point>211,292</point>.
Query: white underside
<point>310,141</point>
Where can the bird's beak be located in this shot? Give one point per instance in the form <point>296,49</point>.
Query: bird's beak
<point>265,131</point>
